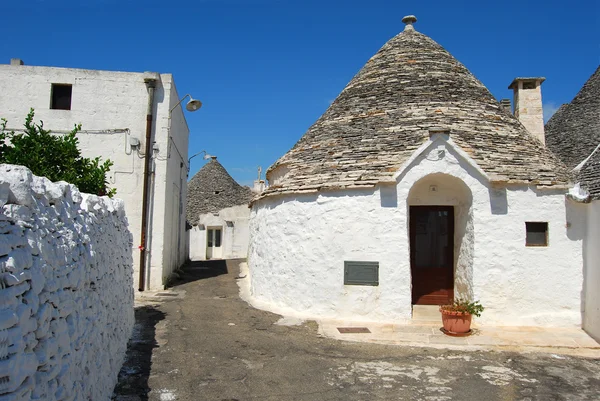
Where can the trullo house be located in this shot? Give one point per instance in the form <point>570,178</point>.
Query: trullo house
<point>217,210</point>
<point>573,133</point>
<point>415,187</point>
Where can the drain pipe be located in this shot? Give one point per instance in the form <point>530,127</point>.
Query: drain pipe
<point>151,85</point>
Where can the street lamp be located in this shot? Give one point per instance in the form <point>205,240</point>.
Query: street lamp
<point>206,157</point>
<point>192,105</point>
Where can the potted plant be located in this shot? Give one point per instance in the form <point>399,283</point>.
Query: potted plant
<point>456,317</point>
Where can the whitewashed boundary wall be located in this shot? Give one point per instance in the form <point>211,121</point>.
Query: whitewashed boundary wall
<point>66,290</point>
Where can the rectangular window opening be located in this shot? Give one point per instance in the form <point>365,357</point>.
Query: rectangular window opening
<point>209,237</point>
<point>537,233</point>
<point>60,98</point>
<point>217,238</point>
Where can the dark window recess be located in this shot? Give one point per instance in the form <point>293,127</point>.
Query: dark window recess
<point>61,96</point>
<point>361,273</point>
<point>217,238</point>
<point>209,237</point>
<point>528,85</point>
<point>537,234</point>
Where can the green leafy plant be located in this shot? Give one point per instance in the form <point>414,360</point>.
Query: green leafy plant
<point>464,306</point>
<point>56,157</point>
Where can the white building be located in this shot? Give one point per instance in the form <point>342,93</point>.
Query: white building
<point>217,209</point>
<point>113,108</point>
<point>573,133</point>
<point>416,187</point>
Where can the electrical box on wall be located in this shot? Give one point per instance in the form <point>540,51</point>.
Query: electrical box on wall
<point>361,273</point>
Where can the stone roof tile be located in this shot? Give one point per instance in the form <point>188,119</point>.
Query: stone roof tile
<point>212,189</point>
<point>573,133</point>
<point>408,87</point>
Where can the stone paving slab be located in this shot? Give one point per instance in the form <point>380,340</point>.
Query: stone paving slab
<point>572,341</point>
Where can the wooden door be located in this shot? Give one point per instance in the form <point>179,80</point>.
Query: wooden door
<point>432,254</point>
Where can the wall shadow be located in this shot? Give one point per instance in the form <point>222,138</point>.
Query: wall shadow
<point>199,270</point>
<point>134,374</point>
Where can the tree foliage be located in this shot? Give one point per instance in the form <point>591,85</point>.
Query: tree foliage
<point>56,157</point>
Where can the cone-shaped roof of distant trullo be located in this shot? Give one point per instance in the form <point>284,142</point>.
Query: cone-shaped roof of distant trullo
<point>385,113</point>
<point>212,189</point>
<point>573,133</point>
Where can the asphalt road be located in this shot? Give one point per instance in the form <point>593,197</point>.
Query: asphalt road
<point>211,345</point>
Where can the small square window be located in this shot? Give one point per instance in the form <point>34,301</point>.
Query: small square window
<point>537,233</point>
<point>528,85</point>
<point>60,99</point>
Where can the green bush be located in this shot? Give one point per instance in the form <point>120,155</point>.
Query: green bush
<point>56,157</point>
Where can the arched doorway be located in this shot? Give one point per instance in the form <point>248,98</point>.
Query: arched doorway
<point>441,239</point>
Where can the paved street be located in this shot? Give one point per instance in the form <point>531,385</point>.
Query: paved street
<point>200,341</point>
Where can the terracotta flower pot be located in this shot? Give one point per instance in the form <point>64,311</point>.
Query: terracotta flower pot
<point>456,322</point>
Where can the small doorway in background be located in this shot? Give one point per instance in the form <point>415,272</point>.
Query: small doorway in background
<point>213,243</point>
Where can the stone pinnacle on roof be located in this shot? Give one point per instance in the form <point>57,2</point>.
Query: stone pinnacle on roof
<point>409,20</point>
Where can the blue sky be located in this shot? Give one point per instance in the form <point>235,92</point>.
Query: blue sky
<point>267,69</point>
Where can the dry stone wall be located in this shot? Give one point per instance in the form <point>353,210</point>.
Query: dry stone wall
<point>66,290</point>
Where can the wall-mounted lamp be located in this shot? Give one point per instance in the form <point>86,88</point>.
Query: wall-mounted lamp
<point>192,105</point>
<point>206,157</point>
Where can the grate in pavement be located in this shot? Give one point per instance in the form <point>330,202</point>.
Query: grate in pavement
<point>349,330</point>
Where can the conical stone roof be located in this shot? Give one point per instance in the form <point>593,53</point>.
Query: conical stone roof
<point>212,189</point>
<point>573,133</point>
<point>411,85</point>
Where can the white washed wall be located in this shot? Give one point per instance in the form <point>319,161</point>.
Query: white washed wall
<point>298,245</point>
<point>66,295</point>
<point>108,100</point>
<point>591,246</point>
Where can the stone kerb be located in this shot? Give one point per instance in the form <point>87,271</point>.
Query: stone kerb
<point>66,289</point>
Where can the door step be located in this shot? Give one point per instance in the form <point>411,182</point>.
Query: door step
<point>426,314</point>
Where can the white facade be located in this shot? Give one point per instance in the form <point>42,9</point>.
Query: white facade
<point>233,225</point>
<point>66,294</point>
<point>591,268</point>
<point>112,107</point>
<point>299,243</point>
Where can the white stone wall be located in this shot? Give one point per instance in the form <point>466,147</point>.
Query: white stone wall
<point>66,295</point>
<point>235,238</point>
<point>591,246</point>
<point>104,101</point>
<point>298,245</point>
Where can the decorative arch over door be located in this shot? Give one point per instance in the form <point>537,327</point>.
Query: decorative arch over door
<point>441,239</point>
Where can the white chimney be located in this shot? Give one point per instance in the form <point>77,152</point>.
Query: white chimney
<point>528,104</point>
<point>259,186</point>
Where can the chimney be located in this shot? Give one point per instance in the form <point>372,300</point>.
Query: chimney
<point>528,104</point>
<point>505,104</point>
<point>16,61</point>
<point>259,186</point>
